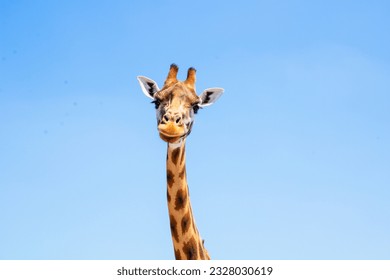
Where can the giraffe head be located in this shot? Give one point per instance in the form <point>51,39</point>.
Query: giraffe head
<point>177,103</point>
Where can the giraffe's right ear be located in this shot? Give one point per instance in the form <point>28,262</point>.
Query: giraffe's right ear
<point>148,86</point>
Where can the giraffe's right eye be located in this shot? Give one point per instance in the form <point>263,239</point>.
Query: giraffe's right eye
<point>195,107</point>
<point>156,103</point>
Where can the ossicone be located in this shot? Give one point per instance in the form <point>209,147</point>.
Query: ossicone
<point>191,77</point>
<point>172,75</point>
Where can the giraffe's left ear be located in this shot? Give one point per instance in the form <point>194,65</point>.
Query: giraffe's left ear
<point>209,96</point>
<point>148,86</point>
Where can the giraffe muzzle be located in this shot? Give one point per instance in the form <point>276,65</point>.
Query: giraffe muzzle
<point>171,132</point>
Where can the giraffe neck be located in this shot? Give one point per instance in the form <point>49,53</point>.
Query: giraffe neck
<point>187,242</point>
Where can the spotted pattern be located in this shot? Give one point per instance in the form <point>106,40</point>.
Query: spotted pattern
<point>177,255</point>
<point>181,199</point>
<point>190,249</point>
<point>174,94</point>
<point>170,178</point>
<point>175,234</point>
<point>175,155</point>
<point>186,223</point>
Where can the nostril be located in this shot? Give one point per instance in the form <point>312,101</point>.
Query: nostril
<point>178,119</point>
<point>166,118</point>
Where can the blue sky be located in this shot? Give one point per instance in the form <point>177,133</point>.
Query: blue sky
<point>292,162</point>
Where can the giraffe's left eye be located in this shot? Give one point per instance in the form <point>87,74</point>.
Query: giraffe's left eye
<point>156,103</point>
<point>195,107</point>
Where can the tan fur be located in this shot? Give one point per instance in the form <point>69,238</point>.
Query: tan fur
<point>187,242</point>
<point>190,81</point>
<point>171,78</point>
<point>175,104</point>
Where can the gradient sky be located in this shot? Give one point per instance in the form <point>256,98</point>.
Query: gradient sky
<point>292,162</point>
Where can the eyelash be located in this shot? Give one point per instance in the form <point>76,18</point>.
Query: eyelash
<point>195,107</point>
<point>156,103</point>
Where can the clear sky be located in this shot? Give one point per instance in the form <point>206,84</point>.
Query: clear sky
<point>292,162</point>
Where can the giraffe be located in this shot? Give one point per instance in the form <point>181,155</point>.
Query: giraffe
<point>176,104</point>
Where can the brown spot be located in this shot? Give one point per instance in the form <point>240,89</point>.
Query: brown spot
<point>170,178</point>
<point>168,196</point>
<point>190,249</point>
<point>180,200</point>
<point>177,255</point>
<point>175,155</point>
<point>173,224</point>
<point>185,223</point>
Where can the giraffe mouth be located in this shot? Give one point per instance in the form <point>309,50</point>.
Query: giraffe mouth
<point>169,139</point>
<point>170,132</point>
